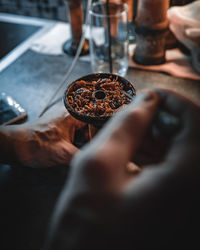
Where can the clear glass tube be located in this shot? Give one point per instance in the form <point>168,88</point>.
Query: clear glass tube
<point>100,24</point>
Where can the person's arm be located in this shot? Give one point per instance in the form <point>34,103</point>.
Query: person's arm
<point>103,206</point>
<point>6,147</point>
<point>44,142</point>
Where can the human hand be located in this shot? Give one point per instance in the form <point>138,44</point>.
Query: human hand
<point>184,22</point>
<point>45,142</point>
<point>103,206</point>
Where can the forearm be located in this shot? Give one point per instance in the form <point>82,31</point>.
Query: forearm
<point>7,154</point>
<point>14,144</point>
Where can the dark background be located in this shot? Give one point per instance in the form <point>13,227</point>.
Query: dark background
<point>50,9</point>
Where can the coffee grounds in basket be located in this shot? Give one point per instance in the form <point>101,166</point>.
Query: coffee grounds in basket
<point>98,98</point>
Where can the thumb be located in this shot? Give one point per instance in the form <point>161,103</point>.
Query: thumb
<point>193,32</point>
<point>126,131</point>
<point>107,155</point>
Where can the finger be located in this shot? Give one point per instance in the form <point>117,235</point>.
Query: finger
<point>126,137</point>
<point>185,142</point>
<point>179,106</point>
<point>110,151</point>
<point>182,156</point>
<point>193,33</point>
<point>66,126</point>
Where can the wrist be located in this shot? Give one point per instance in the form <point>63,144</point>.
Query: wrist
<point>7,152</point>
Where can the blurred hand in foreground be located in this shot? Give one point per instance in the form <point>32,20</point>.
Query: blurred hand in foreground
<point>103,206</point>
